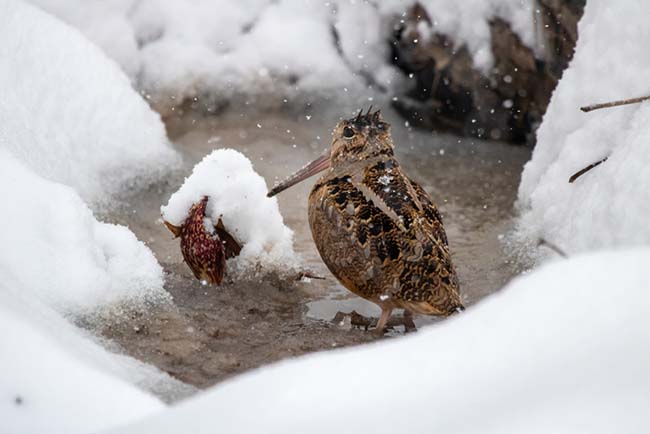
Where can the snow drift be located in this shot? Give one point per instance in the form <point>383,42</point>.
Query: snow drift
<point>55,380</point>
<point>55,250</point>
<point>69,112</point>
<point>69,116</point>
<point>562,350</point>
<point>237,194</point>
<point>80,126</point>
<point>213,51</point>
<point>607,206</point>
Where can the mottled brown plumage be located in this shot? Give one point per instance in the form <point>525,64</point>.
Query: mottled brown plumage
<point>205,252</point>
<point>378,231</point>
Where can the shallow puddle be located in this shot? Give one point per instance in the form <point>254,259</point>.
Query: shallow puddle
<point>212,333</point>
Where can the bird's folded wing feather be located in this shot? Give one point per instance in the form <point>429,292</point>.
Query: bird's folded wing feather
<point>406,203</point>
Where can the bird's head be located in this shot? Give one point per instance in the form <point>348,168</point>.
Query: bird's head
<point>356,139</point>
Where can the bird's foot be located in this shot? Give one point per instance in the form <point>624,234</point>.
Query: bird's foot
<point>355,318</point>
<point>360,321</point>
<point>409,324</point>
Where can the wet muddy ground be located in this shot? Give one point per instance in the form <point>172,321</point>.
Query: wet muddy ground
<point>212,333</point>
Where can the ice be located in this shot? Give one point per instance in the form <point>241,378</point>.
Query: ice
<point>607,206</point>
<point>237,194</point>
<point>564,349</point>
<point>69,112</point>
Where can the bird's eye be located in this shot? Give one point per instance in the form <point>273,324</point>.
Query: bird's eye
<point>348,132</point>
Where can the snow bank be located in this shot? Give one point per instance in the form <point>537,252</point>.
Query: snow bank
<point>68,112</point>
<point>565,349</point>
<point>607,206</point>
<point>47,383</point>
<point>69,115</point>
<point>238,194</point>
<point>55,250</point>
<point>286,46</point>
<point>217,50</point>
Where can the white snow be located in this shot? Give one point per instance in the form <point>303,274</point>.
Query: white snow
<point>69,116</point>
<point>69,112</point>
<point>565,349</point>
<point>609,205</point>
<point>48,383</point>
<point>288,45</point>
<point>82,126</point>
<point>55,250</point>
<point>218,50</point>
<point>237,194</point>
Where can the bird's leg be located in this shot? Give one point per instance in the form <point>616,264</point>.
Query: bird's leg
<point>383,319</point>
<point>409,324</point>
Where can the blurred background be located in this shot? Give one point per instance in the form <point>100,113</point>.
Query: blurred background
<point>482,68</point>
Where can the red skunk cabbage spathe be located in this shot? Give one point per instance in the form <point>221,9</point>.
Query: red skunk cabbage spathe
<point>204,252</point>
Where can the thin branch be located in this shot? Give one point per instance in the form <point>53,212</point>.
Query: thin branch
<point>556,249</point>
<point>579,173</point>
<point>308,275</point>
<point>614,103</point>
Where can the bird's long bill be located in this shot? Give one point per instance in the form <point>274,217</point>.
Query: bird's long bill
<point>318,165</point>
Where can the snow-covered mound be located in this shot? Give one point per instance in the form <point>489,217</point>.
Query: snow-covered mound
<point>609,205</point>
<point>69,112</point>
<point>57,261</point>
<point>216,50</point>
<point>55,250</point>
<point>52,379</point>
<point>237,194</point>
<point>220,49</point>
<point>565,349</point>
<point>69,116</point>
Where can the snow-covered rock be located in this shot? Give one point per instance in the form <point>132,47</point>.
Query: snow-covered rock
<point>565,349</point>
<point>69,112</point>
<point>607,206</point>
<point>237,194</point>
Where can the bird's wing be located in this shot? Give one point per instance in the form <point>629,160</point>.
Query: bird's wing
<point>405,202</point>
<point>431,214</point>
<point>404,230</point>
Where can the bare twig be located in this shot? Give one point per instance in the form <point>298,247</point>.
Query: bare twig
<point>556,249</point>
<point>579,173</point>
<point>589,108</point>
<point>308,275</point>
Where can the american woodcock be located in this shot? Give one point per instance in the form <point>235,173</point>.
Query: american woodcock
<point>377,231</point>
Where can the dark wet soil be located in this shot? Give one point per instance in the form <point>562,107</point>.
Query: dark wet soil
<point>212,333</point>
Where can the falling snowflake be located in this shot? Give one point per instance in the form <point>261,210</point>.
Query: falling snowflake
<point>385,179</point>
